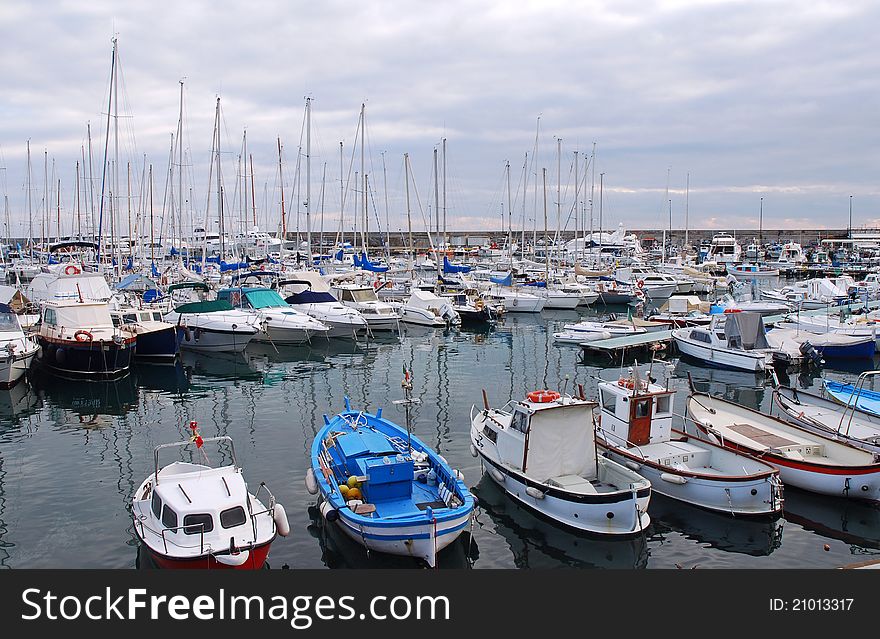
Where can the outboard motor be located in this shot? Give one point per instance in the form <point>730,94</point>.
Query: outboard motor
<point>811,355</point>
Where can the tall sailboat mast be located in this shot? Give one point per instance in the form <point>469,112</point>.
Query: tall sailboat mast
<point>309,178</point>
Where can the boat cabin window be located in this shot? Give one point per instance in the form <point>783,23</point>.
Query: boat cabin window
<point>197,524</point>
<point>642,409</point>
<point>157,317</point>
<point>156,505</point>
<point>129,318</point>
<point>169,518</point>
<point>49,316</point>
<point>664,404</point>
<point>346,296</point>
<point>701,336</point>
<point>365,295</point>
<point>490,434</point>
<point>232,517</point>
<point>8,322</point>
<point>519,422</point>
<point>609,400</point>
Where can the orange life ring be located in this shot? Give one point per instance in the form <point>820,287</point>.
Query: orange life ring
<point>83,336</point>
<point>543,396</point>
<point>71,269</point>
<point>641,283</point>
<point>733,310</point>
<point>626,383</point>
<point>376,284</point>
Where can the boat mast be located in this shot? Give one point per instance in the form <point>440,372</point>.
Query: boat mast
<point>321,233</point>
<point>522,244</point>
<point>128,166</point>
<point>341,198</point>
<point>253,194</point>
<point>180,167</point>
<point>364,194</point>
<point>106,145</point>
<point>283,217</point>
<point>687,191</point>
<point>219,187</point>
<point>309,178</point>
<point>408,218</point>
<point>445,238</point>
<point>436,212</point>
<point>558,193</point>
<point>387,213</point>
<point>546,252</point>
<point>78,215</point>
<point>509,220</point>
<point>577,210</point>
<point>152,231</point>
<point>601,240</point>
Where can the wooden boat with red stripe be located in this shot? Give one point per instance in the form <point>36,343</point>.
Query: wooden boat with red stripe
<point>805,459</point>
<point>190,515</point>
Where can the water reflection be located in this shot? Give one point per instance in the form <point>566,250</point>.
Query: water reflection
<point>853,522</point>
<point>18,402</point>
<point>741,387</point>
<point>87,402</point>
<point>539,543</point>
<point>221,366</point>
<point>749,536</point>
<point>338,550</point>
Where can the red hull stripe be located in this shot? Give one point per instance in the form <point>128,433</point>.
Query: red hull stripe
<point>256,561</point>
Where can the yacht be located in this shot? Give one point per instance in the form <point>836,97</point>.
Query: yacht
<point>281,323</point>
<point>379,315</point>
<point>308,292</point>
<point>209,325</point>
<point>724,249</point>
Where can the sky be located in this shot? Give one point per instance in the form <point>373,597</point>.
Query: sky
<point>716,114</point>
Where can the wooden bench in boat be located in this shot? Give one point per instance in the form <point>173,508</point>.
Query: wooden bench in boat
<point>677,454</point>
<point>793,447</point>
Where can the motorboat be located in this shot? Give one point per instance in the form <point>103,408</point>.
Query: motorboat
<point>860,327</point>
<point>863,399</point>
<point>195,515</point>
<point>751,270</point>
<point>810,294</point>
<point>308,292</point>
<point>612,294</point>
<point>17,350</point>
<point>425,308</point>
<point>732,340</point>
<point>210,326</point>
<point>514,299</point>
<point>157,340</point>
<point>379,315</point>
<point>830,346</point>
<point>472,308</point>
<point>683,310</point>
<point>805,459</point>
<point>384,487</point>
<point>724,249</point>
<point>542,451</point>
<point>635,429</point>
<point>78,339</point>
<point>281,323</point>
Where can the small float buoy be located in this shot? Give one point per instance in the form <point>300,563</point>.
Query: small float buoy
<point>282,525</point>
<point>311,482</point>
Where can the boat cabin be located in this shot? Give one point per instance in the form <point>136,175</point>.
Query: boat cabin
<point>549,441</point>
<point>639,416</point>
<point>252,298</point>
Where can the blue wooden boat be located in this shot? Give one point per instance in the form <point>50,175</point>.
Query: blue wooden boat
<point>385,488</point>
<point>862,398</point>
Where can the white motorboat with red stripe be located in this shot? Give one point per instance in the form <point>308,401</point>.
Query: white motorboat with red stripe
<point>193,515</point>
<point>636,430</point>
<point>805,459</point>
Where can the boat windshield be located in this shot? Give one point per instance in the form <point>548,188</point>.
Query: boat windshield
<point>9,322</point>
<point>265,299</point>
<point>364,295</point>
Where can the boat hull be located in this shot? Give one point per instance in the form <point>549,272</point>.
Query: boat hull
<point>720,359</point>
<point>91,360</point>
<point>14,366</point>
<point>207,340</point>
<point>256,560</point>
<point>758,496</point>
<point>161,345</point>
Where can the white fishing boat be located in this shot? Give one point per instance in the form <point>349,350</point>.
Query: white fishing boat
<point>542,452</point>
<point>635,429</point>
<point>732,340</point>
<point>828,418</point>
<point>427,309</point>
<point>195,515</point>
<point>751,270</point>
<point>17,350</point>
<point>805,459</point>
<point>514,299</point>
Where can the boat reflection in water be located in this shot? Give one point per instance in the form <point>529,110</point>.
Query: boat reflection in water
<point>18,402</point>
<point>164,377</point>
<point>755,536</point>
<point>220,366</point>
<point>853,522</point>
<point>87,401</point>
<point>747,389</point>
<point>539,543</point>
<point>338,550</point>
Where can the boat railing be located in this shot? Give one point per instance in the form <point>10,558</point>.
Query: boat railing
<point>627,443</point>
<point>853,400</point>
<point>166,541</point>
<point>182,444</point>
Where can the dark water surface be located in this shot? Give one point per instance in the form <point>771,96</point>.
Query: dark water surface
<point>72,453</point>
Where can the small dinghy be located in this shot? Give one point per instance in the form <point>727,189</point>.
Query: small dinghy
<point>636,430</point>
<point>807,460</point>
<point>542,452</point>
<point>192,515</point>
<point>828,418</point>
<point>863,399</point>
<point>384,487</point>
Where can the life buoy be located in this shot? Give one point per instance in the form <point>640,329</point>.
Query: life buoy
<point>376,284</point>
<point>641,283</point>
<point>83,336</point>
<point>543,396</point>
<point>626,383</point>
<point>733,310</point>
<point>71,269</point>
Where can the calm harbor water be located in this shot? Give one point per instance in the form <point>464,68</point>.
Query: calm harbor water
<point>71,454</point>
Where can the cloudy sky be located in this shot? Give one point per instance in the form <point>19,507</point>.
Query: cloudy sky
<point>739,100</point>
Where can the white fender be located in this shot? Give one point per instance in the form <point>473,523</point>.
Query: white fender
<point>673,479</point>
<point>531,491</point>
<point>328,512</point>
<point>458,474</point>
<point>233,560</point>
<point>474,452</point>
<point>311,482</point>
<point>633,465</point>
<point>497,475</point>
<point>281,523</point>
<point>443,459</point>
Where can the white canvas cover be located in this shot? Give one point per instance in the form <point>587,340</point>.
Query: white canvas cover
<point>561,442</point>
<point>83,315</point>
<point>318,283</point>
<point>50,286</point>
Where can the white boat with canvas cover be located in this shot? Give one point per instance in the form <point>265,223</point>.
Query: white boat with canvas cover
<point>732,340</point>
<point>807,460</point>
<point>427,309</point>
<point>307,291</point>
<point>635,429</point>
<point>542,452</point>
